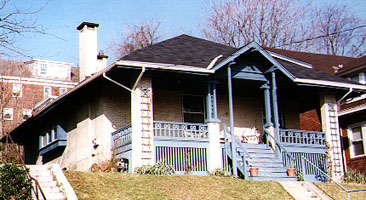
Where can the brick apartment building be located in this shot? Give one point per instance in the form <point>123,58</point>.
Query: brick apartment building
<point>25,86</point>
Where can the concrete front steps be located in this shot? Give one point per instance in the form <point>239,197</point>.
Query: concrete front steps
<point>303,190</point>
<point>269,167</point>
<point>52,181</point>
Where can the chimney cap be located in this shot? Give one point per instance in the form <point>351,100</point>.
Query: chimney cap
<point>89,24</point>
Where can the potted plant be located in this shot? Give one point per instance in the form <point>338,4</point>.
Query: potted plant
<point>253,171</point>
<point>292,170</point>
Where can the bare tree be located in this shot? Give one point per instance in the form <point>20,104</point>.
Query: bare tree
<point>342,33</point>
<point>138,36</point>
<point>15,23</point>
<point>271,23</point>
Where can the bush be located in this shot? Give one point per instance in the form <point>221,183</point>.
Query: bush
<point>354,177</point>
<point>220,172</point>
<point>14,183</point>
<point>160,168</point>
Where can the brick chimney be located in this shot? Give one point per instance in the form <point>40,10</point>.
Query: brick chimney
<point>88,49</point>
<point>102,61</point>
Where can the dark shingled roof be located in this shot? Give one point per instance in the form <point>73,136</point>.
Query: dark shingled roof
<point>320,62</point>
<point>182,50</point>
<point>197,52</point>
<point>349,67</point>
<point>307,73</point>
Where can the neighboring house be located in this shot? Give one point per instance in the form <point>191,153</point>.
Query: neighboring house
<point>352,111</point>
<point>26,84</point>
<point>353,118</point>
<point>171,101</point>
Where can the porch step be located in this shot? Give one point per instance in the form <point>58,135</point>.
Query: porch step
<point>262,157</point>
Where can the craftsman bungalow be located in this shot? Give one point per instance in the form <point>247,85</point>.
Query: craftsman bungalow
<point>181,101</point>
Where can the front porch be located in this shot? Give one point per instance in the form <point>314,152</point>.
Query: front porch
<point>185,146</point>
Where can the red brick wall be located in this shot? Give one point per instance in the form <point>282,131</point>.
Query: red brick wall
<point>356,164</point>
<point>310,121</point>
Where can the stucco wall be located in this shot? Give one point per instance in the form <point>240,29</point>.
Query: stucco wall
<point>89,126</point>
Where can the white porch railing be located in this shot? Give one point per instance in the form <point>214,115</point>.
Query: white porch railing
<point>291,136</point>
<point>180,130</point>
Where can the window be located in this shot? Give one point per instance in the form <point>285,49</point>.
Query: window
<point>193,109</point>
<point>357,135</point>
<point>63,91</point>
<point>47,92</point>
<point>27,113</point>
<point>51,139</point>
<point>17,90</point>
<point>43,68</point>
<point>8,114</point>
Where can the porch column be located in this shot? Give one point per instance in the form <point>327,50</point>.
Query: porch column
<point>231,110</point>
<point>268,113</point>
<point>142,124</point>
<point>274,105</point>
<point>214,153</point>
<point>329,117</point>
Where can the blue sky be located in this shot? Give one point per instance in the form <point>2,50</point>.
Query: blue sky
<point>61,17</point>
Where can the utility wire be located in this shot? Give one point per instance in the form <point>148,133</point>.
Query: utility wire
<point>321,36</point>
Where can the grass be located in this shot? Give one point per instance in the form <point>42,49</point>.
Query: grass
<point>336,192</point>
<point>88,185</point>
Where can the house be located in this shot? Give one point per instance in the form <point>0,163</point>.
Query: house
<point>194,104</point>
<point>352,118</point>
<point>25,84</point>
<point>351,110</point>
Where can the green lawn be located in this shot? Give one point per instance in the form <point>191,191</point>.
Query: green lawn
<point>89,185</point>
<point>337,193</point>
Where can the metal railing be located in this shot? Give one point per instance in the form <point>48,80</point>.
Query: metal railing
<point>37,188</point>
<point>303,160</point>
<point>180,130</point>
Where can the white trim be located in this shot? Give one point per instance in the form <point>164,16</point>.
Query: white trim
<point>172,67</point>
<point>213,62</point>
<point>363,96</point>
<point>330,83</point>
<point>289,59</point>
<point>38,81</point>
<point>362,125</point>
<point>352,110</point>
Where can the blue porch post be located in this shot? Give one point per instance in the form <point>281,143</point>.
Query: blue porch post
<point>213,123</point>
<point>231,110</point>
<point>274,104</point>
<point>267,104</point>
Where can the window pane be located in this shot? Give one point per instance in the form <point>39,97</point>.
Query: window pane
<point>356,134</point>
<point>193,104</point>
<point>358,148</point>
<point>192,117</point>
<point>44,140</point>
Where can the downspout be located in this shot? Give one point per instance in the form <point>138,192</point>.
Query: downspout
<point>123,86</point>
<point>115,82</point>
<point>139,78</point>
<point>343,150</point>
<point>344,96</point>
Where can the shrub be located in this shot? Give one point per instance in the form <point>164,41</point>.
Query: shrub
<point>354,177</point>
<point>160,168</point>
<point>14,183</point>
<point>220,172</point>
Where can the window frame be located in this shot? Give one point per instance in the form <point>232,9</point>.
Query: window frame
<point>19,90</point>
<point>44,92</point>
<point>362,126</point>
<point>203,113</point>
<point>10,111</point>
<point>51,139</point>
